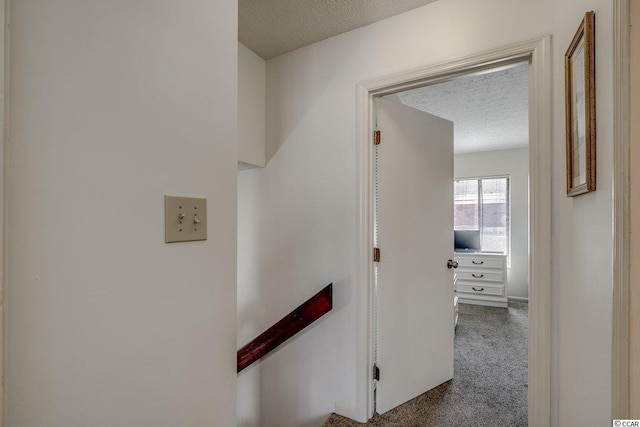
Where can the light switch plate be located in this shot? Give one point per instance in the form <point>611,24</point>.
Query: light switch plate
<point>185,219</point>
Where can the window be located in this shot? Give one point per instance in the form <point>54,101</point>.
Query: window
<point>483,204</point>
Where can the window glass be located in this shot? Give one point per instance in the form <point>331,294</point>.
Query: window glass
<point>465,204</point>
<point>483,204</point>
<point>495,215</point>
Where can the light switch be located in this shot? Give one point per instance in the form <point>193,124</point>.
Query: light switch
<point>185,219</point>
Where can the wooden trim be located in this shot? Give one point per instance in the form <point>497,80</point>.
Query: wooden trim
<point>310,311</point>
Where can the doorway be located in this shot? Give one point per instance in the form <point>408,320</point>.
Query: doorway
<point>536,52</point>
<point>489,115</point>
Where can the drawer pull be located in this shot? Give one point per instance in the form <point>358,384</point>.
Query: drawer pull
<point>477,290</point>
<point>478,276</point>
<point>477,263</point>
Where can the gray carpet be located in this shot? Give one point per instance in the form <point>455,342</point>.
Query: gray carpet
<point>489,387</point>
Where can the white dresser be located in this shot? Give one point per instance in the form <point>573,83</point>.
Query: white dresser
<point>481,278</point>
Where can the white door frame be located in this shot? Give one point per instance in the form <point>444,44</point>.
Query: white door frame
<point>537,50</point>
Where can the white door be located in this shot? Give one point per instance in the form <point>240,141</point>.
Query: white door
<point>414,220</point>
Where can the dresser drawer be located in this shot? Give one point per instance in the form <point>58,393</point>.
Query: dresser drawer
<point>481,276</point>
<point>480,289</point>
<point>480,262</point>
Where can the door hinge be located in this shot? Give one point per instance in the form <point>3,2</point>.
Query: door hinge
<point>376,255</point>
<point>376,137</point>
<point>376,373</point>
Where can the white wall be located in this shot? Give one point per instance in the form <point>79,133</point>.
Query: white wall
<point>251,107</point>
<point>282,261</point>
<point>112,105</point>
<point>515,163</point>
<point>582,244</point>
<point>251,312</point>
<point>306,201</point>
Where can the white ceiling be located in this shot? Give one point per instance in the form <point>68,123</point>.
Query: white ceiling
<point>273,27</point>
<point>489,111</point>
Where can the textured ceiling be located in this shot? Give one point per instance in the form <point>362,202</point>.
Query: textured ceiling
<point>489,111</point>
<point>273,27</point>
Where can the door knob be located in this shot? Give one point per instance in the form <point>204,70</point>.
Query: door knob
<point>452,264</point>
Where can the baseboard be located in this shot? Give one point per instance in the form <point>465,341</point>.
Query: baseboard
<point>518,299</point>
<point>486,302</point>
<point>347,412</point>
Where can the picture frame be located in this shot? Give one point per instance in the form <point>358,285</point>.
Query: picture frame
<point>580,109</point>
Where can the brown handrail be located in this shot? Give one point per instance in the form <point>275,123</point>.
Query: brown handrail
<point>314,308</point>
